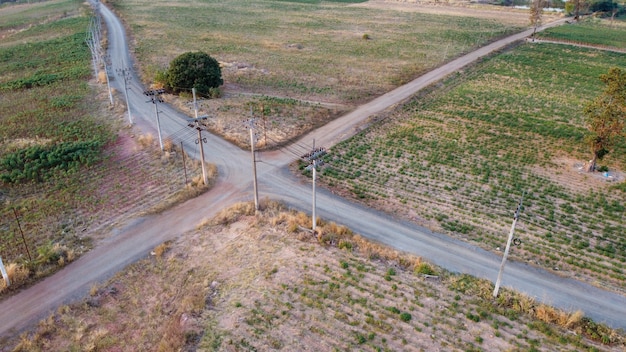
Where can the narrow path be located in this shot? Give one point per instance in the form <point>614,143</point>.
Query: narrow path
<point>580,45</point>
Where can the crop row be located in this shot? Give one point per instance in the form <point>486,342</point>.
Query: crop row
<point>460,159</point>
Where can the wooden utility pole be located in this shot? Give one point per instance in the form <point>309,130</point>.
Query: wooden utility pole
<point>182,151</point>
<point>22,233</point>
<point>508,246</point>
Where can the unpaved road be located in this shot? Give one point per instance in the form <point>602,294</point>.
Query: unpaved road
<point>137,239</point>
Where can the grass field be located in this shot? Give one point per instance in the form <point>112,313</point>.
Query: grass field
<point>304,49</point>
<point>256,283</point>
<point>459,158</point>
<point>313,52</point>
<point>77,169</point>
<point>590,31</point>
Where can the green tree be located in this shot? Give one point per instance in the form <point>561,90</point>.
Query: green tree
<point>606,116</point>
<point>536,11</point>
<point>576,8</point>
<point>193,70</point>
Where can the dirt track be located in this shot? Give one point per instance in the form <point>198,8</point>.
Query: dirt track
<point>136,240</point>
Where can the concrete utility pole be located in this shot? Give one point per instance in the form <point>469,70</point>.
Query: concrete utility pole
<point>106,62</point>
<point>155,98</point>
<point>195,123</point>
<point>313,158</point>
<point>93,42</point>
<point>250,123</point>
<point>5,275</point>
<point>126,75</point>
<point>517,242</point>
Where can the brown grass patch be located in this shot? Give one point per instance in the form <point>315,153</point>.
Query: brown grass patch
<point>17,273</point>
<point>246,284</point>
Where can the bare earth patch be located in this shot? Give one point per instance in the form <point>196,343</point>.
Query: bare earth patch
<point>571,174</point>
<point>456,8</point>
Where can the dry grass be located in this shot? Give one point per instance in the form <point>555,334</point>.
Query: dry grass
<point>242,282</point>
<point>145,140</point>
<point>285,69</point>
<point>17,273</point>
<point>161,249</point>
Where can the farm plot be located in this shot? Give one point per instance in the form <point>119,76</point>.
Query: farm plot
<point>326,52</point>
<point>459,158</point>
<point>69,168</point>
<point>601,32</point>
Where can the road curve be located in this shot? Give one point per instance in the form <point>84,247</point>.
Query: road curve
<point>137,239</point>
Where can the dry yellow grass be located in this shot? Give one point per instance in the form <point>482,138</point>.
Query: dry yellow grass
<point>17,273</point>
<point>145,140</point>
<point>240,283</point>
<point>161,249</point>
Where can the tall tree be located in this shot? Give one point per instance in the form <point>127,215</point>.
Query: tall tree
<point>606,116</point>
<point>536,11</point>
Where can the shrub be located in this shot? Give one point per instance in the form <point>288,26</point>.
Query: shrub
<point>424,269</point>
<point>39,162</point>
<point>17,275</point>
<point>194,70</point>
<point>405,317</point>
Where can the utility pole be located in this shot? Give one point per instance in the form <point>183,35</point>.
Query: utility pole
<point>126,75</point>
<point>182,151</point>
<point>314,161</point>
<point>93,42</point>
<point>254,183</point>
<point>199,127</point>
<point>155,98</point>
<point>517,242</point>
<point>22,233</point>
<point>106,61</point>
<point>5,275</point>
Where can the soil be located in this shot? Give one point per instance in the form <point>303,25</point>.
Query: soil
<point>570,173</point>
<point>253,284</point>
<point>455,8</point>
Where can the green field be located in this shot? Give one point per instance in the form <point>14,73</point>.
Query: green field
<point>459,158</point>
<point>306,49</point>
<point>60,168</point>
<point>590,31</point>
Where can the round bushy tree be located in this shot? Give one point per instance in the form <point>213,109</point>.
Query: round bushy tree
<point>193,70</point>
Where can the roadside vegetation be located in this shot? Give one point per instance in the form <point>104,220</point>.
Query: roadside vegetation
<point>458,158</point>
<point>246,282</point>
<point>314,60</point>
<point>68,166</point>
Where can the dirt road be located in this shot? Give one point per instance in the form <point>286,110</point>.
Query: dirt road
<point>136,240</point>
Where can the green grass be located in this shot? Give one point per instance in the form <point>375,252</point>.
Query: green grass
<point>308,295</point>
<point>591,31</point>
<point>459,159</point>
<point>14,17</point>
<point>305,48</point>
<point>58,147</point>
